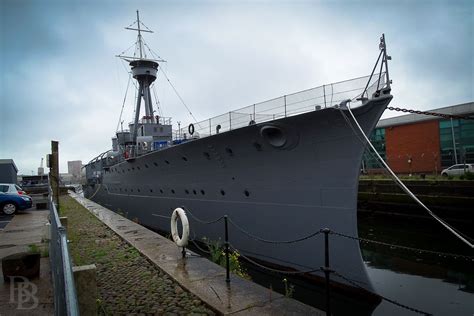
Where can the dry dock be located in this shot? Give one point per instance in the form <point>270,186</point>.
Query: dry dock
<point>198,275</point>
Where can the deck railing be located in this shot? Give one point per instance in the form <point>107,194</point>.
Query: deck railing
<point>314,99</point>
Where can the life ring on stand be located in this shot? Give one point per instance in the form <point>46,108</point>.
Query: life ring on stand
<point>191,129</point>
<point>183,240</point>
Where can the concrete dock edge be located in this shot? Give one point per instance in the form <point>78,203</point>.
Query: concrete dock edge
<point>198,275</point>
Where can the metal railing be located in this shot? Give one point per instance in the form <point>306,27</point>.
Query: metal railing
<point>65,297</point>
<point>325,96</point>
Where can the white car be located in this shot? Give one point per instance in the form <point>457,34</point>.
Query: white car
<point>458,169</point>
<point>11,188</point>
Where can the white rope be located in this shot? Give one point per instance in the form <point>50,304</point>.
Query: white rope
<point>404,187</point>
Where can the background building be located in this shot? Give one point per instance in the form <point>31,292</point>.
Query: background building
<point>8,171</point>
<point>418,143</point>
<point>74,170</point>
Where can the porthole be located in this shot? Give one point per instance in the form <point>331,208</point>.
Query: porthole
<point>202,192</point>
<point>126,190</point>
<point>146,166</point>
<point>131,190</point>
<point>207,155</point>
<point>156,165</point>
<point>138,168</point>
<point>186,191</point>
<point>133,168</point>
<point>167,162</point>
<point>138,190</point>
<point>222,192</point>
<point>161,191</point>
<point>229,151</point>
<point>129,169</point>
<point>172,191</point>
<point>247,193</point>
<point>151,190</point>
<point>194,191</point>
<point>184,158</point>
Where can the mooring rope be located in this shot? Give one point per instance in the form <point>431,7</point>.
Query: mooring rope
<point>403,186</point>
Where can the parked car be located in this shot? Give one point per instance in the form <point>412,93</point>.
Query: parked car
<point>11,188</point>
<point>457,170</point>
<point>10,203</point>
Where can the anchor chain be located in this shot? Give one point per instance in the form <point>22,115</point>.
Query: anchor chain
<point>447,116</point>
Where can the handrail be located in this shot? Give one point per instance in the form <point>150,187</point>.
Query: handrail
<point>65,296</point>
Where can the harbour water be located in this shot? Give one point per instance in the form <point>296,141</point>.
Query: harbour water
<point>433,283</point>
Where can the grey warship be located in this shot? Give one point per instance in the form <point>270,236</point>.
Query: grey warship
<point>279,169</point>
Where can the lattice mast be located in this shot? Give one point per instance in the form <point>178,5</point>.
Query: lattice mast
<point>144,70</point>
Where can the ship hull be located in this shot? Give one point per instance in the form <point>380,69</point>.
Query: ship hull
<point>273,191</point>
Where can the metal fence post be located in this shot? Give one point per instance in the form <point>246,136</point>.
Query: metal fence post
<point>327,270</point>
<point>230,121</point>
<point>227,263</point>
<point>210,127</point>
<point>284,97</point>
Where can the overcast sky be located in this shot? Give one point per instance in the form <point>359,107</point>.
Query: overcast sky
<point>59,79</point>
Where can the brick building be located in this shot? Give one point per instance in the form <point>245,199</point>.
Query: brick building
<point>417,143</point>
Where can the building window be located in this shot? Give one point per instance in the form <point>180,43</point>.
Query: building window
<point>377,139</point>
<point>456,142</point>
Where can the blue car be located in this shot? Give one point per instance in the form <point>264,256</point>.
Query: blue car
<point>10,203</point>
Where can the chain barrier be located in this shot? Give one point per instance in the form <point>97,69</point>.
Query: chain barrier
<point>322,269</point>
<point>393,246</point>
<point>272,241</point>
<point>380,296</point>
<point>447,116</point>
<point>199,247</point>
<point>335,273</point>
<point>272,269</point>
<point>364,240</point>
<point>201,221</point>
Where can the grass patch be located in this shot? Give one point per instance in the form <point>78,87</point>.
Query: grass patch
<point>34,248</point>
<point>217,252</point>
<point>127,282</point>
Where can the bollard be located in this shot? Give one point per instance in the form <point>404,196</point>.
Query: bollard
<point>326,270</point>
<point>227,268</point>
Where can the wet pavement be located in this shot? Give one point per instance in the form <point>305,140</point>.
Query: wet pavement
<point>35,297</point>
<point>198,275</point>
<point>4,220</point>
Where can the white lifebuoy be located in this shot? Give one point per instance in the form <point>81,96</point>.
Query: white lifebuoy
<point>183,240</point>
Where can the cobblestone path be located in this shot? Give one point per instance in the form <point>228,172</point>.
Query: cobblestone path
<point>128,283</point>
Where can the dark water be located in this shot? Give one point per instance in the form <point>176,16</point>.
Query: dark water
<point>429,282</point>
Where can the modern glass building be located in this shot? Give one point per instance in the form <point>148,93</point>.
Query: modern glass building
<point>417,143</point>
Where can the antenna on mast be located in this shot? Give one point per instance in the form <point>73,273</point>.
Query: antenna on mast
<point>140,43</point>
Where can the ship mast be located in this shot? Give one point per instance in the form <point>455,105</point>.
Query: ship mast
<point>144,70</point>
